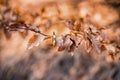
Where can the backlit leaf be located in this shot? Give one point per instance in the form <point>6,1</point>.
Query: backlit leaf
<point>35,40</point>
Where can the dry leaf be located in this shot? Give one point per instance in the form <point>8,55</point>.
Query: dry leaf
<point>35,40</point>
<point>69,24</point>
<point>65,43</point>
<point>72,46</point>
<point>111,49</point>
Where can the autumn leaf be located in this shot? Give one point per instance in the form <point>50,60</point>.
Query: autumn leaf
<point>111,49</point>
<point>35,40</point>
<point>69,24</point>
<point>72,47</point>
<point>66,43</point>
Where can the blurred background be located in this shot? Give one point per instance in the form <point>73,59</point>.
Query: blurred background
<point>44,62</point>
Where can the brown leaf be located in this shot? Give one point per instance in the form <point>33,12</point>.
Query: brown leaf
<point>72,46</point>
<point>35,40</point>
<point>65,43</point>
<point>111,49</point>
<point>95,41</point>
<point>69,24</point>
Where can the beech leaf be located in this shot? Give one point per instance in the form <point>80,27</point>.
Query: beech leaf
<point>35,40</point>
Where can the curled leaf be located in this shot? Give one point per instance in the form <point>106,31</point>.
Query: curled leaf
<point>72,47</point>
<point>62,42</point>
<point>65,43</point>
